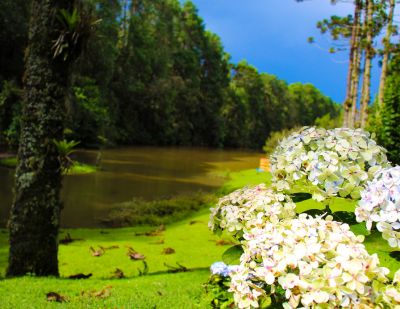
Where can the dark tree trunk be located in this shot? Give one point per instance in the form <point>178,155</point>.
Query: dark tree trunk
<point>35,214</point>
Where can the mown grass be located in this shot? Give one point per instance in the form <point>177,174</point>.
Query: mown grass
<point>181,290</point>
<point>76,169</point>
<point>195,248</point>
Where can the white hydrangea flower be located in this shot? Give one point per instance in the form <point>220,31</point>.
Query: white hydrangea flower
<point>380,204</point>
<point>311,261</point>
<point>250,207</point>
<point>335,162</point>
<point>390,294</point>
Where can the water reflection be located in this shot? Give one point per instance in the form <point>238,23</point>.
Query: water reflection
<point>146,172</point>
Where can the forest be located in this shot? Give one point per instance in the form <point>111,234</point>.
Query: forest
<point>151,74</point>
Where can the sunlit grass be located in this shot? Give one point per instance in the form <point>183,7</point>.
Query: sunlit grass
<point>10,162</point>
<point>195,248</point>
<point>76,169</point>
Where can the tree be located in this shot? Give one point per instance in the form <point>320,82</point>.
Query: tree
<point>35,214</point>
<point>13,38</point>
<point>388,128</point>
<point>369,54</point>
<point>250,88</point>
<point>350,110</point>
<point>387,47</point>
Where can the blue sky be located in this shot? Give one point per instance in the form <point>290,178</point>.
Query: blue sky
<point>272,36</point>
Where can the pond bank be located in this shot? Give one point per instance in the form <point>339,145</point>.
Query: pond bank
<point>10,161</point>
<point>136,173</point>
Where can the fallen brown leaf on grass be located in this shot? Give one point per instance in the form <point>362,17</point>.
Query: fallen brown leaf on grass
<point>80,276</point>
<point>103,293</point>
<point>223,242</point>
<point>156,232</point>
<point>134,255</point>
<point>96,252</point>
<point>168,251</point>
<point>118,273</point>
<point>53,296</point>
<point>159,242</point>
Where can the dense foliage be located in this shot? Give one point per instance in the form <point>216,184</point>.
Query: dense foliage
<point>386,122</point>
<point>152,74</point>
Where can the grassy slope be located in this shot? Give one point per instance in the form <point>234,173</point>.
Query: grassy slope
<point>195,248</point>
<point>77,168</point>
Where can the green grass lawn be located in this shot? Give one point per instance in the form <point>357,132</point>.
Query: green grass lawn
<point>76,169</point>
<point>195,248</point>
<point>10,162</point>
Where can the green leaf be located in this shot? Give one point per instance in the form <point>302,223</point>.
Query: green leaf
<point>315,212</point>
<point>300,196</point>
<point>232,255</point>
<point>395,255</point>
<point>345,217</point>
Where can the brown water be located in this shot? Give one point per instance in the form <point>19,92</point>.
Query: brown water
<point>146,172</point>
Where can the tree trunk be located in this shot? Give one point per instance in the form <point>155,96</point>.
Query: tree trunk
<point>369,53</point>
<point>348,103</point>
<point>35,214</point>
<point>355,83</point>
<point>386,51</point>
<point>125,24</point>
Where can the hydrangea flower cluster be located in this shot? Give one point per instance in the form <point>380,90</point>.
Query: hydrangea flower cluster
<point>221,269</point>
<point>390,294</point>
<point>250,207</point>
<point>380,203</point>
<point>336,162</point>
<point>312,260</point>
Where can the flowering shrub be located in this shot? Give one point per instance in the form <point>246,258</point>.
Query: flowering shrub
<point>390,294</point>
<point>306,262</point>
<point>380,203</point>
<point>335,162</point>
<point>250,207</point>
<point>221,269</point>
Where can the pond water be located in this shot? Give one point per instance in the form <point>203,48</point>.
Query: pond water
<point>126,173</point>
